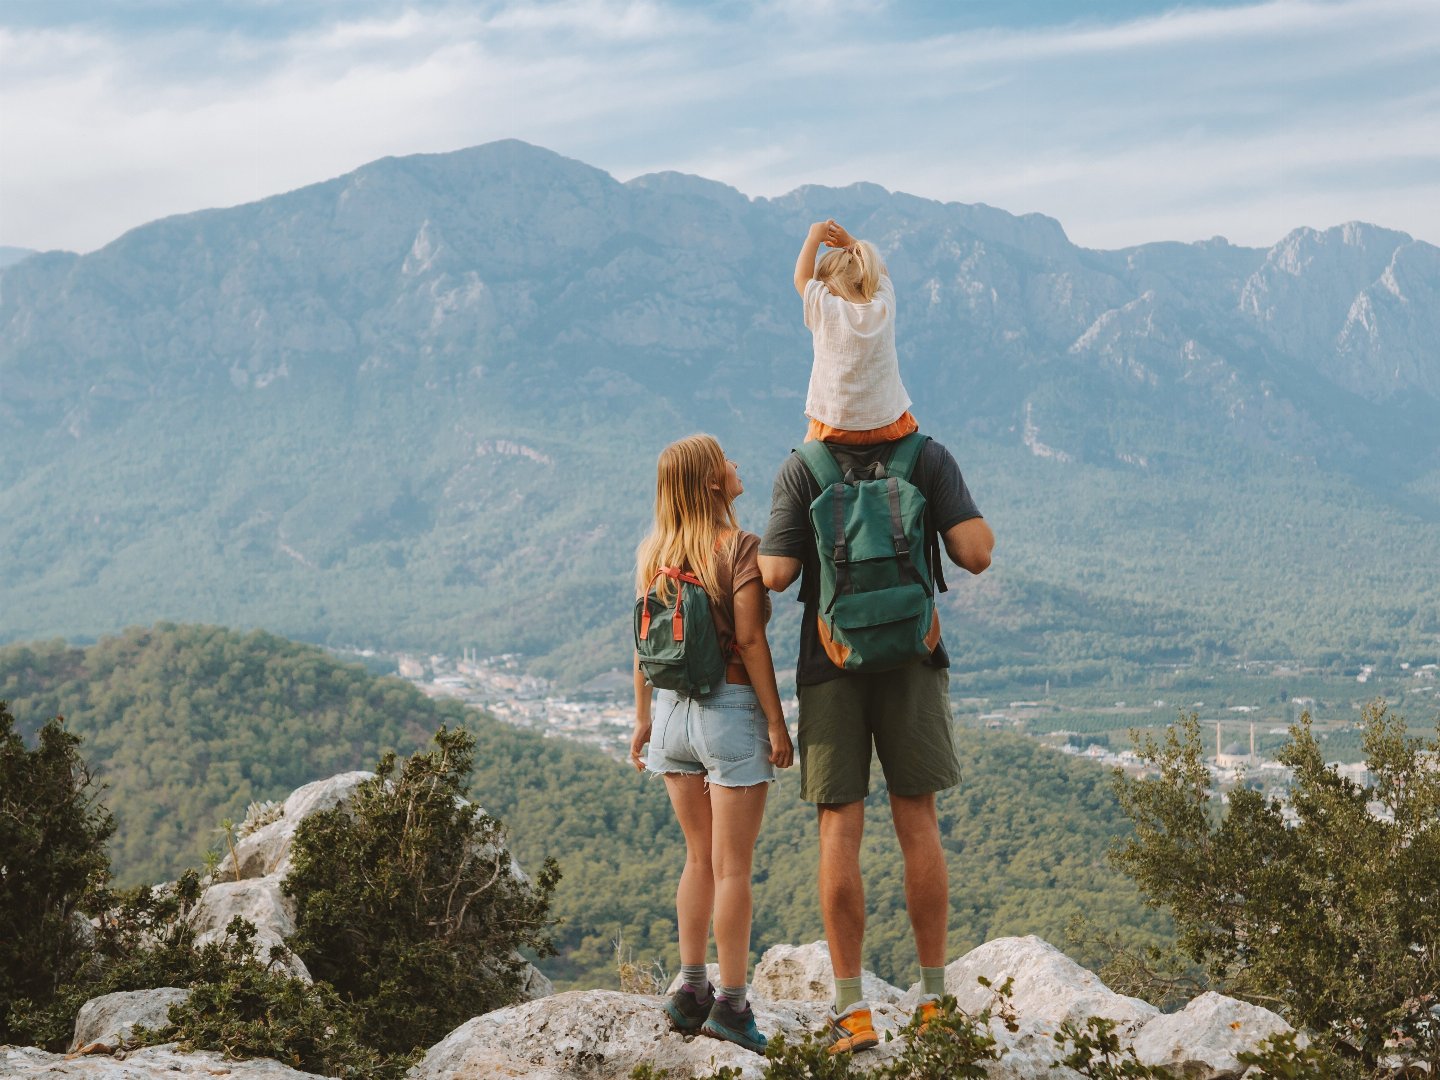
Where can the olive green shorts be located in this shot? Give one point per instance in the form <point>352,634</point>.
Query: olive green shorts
<point>904,714</point>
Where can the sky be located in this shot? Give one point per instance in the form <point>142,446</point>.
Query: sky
<point>1127,121</point>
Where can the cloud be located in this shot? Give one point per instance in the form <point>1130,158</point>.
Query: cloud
<point>1197,121</point>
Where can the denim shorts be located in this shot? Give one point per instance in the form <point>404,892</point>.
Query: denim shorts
<point>722,735</point>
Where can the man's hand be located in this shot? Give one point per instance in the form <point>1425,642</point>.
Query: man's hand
<point>782,750</point>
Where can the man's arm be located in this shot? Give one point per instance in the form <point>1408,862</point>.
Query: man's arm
<point>969,545</point>
<point>778,571</point>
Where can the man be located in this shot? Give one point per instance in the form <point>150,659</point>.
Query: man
<point>903,713</point>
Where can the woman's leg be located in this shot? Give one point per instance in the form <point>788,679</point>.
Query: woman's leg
<point>737,813</point>
<point>695,895</point>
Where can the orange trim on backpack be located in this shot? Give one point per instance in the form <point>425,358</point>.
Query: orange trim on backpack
<point>837,652</point>
<point>677,623</point>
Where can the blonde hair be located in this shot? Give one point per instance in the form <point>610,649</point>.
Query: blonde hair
<point>851,273</point>
<point>694,515</point>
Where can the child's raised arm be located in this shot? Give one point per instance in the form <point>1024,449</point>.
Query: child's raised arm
<point>805,261</point>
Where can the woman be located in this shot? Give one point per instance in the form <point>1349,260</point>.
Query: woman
<point>718,752</point>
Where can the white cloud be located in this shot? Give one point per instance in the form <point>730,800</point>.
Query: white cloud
<point>1195,122</point>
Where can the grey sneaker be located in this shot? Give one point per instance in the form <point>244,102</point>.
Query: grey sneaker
<point>687,1010</point>
<point>739,1027</point>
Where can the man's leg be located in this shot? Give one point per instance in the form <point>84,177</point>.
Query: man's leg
<point>927,885</point>
<point>842,893</point>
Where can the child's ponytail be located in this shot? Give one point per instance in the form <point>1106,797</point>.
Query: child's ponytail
<point>852,273</point>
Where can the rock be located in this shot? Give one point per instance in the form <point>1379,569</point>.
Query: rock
<point>260,901</point>
<point>1202,1040</point>
<point>603,1034</point>
<point>803,973</point>
<point>536,984</point>
<point>1049,987</point>
<point>151,1063</point>
<point>111,1018</point>
<point>266,851</point>
<point>595,1033</point>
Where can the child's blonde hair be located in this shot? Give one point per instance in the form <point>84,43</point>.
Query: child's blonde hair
<point>851,273</point>
<point>694,515</point>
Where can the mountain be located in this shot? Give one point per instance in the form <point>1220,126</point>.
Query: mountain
<point>9,255</point>
<point>417,405</point>
<point>187,725</point>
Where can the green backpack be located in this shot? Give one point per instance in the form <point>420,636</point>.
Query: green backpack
<point>676,641</point>
<point>877,596</point>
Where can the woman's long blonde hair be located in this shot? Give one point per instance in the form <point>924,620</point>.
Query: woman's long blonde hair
<point>694,515</point>
<point>852,273</point>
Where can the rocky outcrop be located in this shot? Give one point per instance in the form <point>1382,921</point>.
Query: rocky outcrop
<point>266,851</point>
<point>1206,1037</point>
<point>604,1034</point>
<point>248,881</point>
<point>1049,988</point>
<point>599,1035</point>
<point>110,1020</point>
<point>151,1063</point>
<point>804,973</point>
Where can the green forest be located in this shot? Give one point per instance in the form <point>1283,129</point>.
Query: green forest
<point>1102,571</point>
<point>188,724</point>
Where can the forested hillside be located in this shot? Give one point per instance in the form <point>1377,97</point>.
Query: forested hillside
<point>187,724</point>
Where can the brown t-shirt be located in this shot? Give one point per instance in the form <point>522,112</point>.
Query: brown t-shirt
<point>730,576</point>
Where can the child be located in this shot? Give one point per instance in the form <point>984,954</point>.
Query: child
<point>855,396</point>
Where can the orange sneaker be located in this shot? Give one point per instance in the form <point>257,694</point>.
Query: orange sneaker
<point>928,1011</point>
<point>852,1030</point>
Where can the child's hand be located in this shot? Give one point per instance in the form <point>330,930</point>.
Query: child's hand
<point>836,236</point>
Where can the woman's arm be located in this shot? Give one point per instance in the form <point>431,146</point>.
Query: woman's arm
<point>755,654</point>
<point>805,261</point>
<point>642,718</point>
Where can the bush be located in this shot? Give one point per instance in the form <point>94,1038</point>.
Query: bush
<point>410,906</point>
<point>52,862</point>
<point>244,1007</point>
<point>1333,918</point>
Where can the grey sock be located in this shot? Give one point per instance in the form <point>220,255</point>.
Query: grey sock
<point>735,995</point>
<point>695,975</point>
<point>847,992</point>
<point>932,980</point>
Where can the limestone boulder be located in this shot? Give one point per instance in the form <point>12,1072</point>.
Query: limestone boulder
<point>260,901</point>
<point>111,1018</point>
<point>152,1063</point>
<point>266,851</point>
<point>1049,988</point>
<point>1203,1040</point>
<point>804,973</point>
<point>603,1034</point>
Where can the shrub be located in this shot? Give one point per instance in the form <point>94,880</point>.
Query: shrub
<point>52,862</point>
<point>1334,919</point>
<point>410,906</point>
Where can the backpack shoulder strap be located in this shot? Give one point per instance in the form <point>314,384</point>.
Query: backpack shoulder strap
<point>821,463</point>
<point>905,455</point>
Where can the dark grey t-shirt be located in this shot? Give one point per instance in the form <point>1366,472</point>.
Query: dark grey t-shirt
<point>947,503</point>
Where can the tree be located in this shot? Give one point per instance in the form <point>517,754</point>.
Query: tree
<point>52,859</point>
<point>410,906</point>
<point>1333,917</point>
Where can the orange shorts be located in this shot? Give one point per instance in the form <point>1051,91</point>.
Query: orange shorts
<point>897,429</point>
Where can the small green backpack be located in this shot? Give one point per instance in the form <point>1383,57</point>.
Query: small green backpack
<point>676,640</point>
<point>877,595</point>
